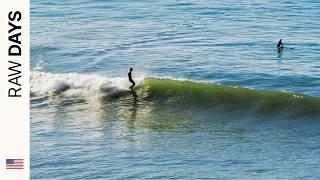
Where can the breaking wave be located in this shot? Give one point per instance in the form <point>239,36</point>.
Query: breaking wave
<point>179,94</point>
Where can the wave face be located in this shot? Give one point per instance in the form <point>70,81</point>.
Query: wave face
<point>233,99</point>
<point>180,95</point>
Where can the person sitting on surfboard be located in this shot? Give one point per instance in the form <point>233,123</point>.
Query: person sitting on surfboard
<point>280,45</point>
<point>130,79</point>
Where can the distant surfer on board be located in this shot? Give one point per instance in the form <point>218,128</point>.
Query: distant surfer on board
<point>280,45</point>
<point>130,79</point>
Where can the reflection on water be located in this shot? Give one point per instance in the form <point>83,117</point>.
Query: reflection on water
<point>143,136</point>
<point>280,52</point>
<point>133,113</point>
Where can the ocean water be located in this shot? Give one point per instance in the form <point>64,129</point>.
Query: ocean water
<point>214,97</point>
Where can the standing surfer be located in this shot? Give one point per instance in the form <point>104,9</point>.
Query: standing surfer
<point>280,45</point>
<point>130,79</point>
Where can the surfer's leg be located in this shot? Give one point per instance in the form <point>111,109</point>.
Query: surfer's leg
<point>133,84</point>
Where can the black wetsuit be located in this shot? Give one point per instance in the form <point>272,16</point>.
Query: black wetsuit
<point>280,45</point>
<point>131,80</point>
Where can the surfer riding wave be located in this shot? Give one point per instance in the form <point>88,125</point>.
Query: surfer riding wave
<point>130,79</point>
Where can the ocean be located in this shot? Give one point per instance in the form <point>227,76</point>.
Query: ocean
<point>214,97</point>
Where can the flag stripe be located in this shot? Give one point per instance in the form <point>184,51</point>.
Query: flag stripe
<point>16,163</point>
<point>14,168</point>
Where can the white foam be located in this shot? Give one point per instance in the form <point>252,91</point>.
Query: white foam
<point>76,84</point>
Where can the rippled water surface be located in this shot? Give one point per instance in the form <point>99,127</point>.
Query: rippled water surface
<point>85,125</point>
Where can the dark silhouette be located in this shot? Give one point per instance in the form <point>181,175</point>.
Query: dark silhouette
<point>280,45</point>
<point>130,79</point>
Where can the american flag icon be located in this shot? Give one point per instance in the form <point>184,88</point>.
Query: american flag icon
<point>14,163</point>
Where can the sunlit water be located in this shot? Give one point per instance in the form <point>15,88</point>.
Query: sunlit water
<point>92,128</point>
